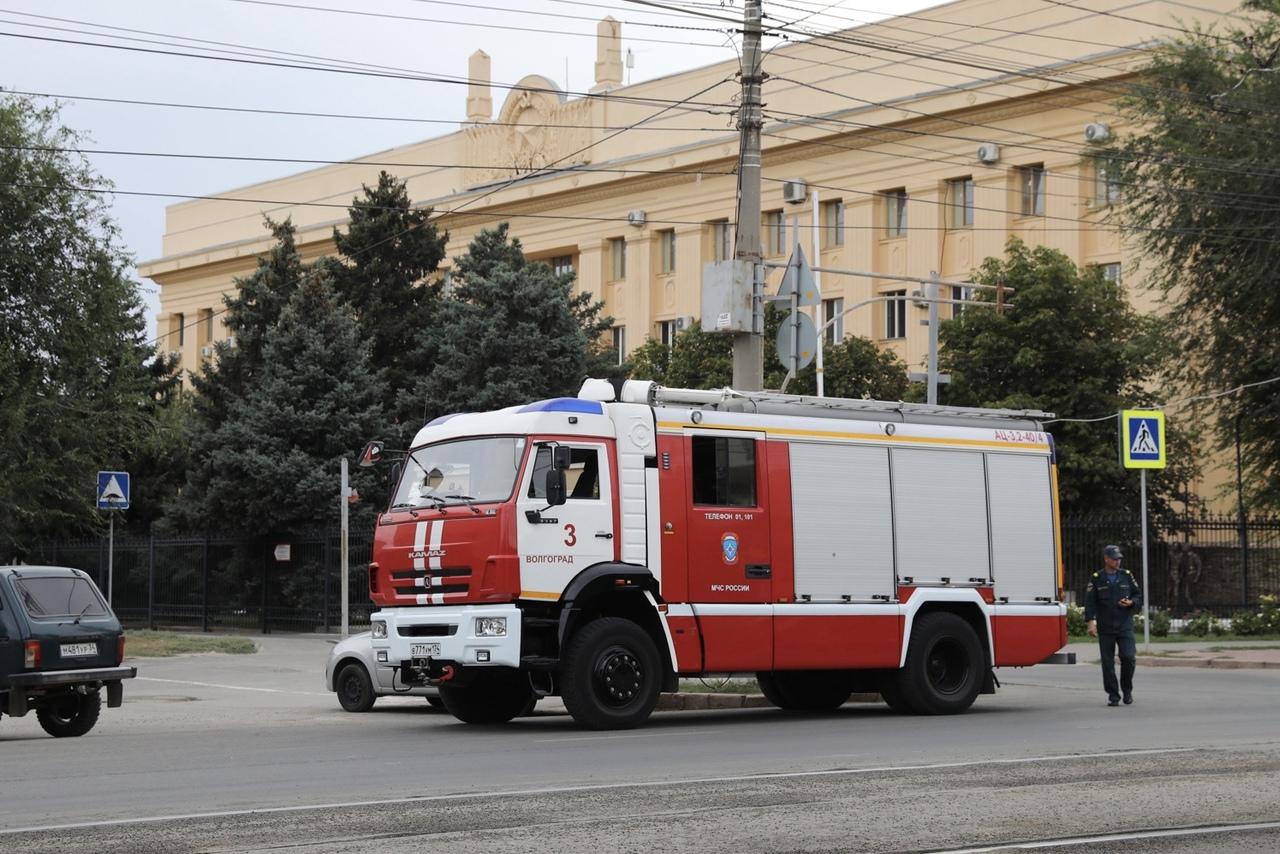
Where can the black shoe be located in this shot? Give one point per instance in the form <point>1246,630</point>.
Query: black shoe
<point>1113,701</point>
<point>1128,699</point>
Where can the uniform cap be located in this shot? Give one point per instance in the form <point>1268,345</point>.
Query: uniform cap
<point>1113,552</point>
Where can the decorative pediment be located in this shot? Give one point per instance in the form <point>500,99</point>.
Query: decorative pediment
<point>536,127</point>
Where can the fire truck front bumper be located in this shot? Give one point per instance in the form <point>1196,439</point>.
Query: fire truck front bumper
<point>432,640</point>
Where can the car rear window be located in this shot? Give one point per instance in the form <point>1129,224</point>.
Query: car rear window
<point>66,596</point>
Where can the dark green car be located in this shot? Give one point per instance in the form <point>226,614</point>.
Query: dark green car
<point>60,648</point>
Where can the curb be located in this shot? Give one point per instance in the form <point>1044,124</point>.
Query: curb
<point>699,701</point>
<point>1217,663</point>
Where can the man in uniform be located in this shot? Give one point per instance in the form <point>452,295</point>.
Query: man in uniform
<point>1112,597</point>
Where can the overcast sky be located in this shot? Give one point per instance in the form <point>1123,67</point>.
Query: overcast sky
<point>428,37</point>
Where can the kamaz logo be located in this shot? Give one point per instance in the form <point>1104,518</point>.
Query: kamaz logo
<point>426,554</point>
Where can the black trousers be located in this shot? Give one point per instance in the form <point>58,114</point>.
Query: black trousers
<point>1128,648</point>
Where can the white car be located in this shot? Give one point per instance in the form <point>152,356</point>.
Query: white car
<point>359,680</point>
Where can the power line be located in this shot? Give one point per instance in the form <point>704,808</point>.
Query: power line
<point>1173,403</point>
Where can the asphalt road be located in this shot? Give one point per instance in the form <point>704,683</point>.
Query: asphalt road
<point>248,753</point>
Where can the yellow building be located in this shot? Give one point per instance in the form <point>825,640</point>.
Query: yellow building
<point>930,139</point>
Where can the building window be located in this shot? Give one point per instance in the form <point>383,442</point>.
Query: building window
<point>959,293</point>
<point>721,240</point>
<point>618,258</point>
<point>895,315</point>
<point>562,264</point>
<point>895,212</point>
<point>724,471</point>
<point>1106,184</point>
<point>775,233</point>
<point>666,252</point>
<point>206,325</point>
<point>833,313</point>
<point>832,220</point>
<point>620,343</point>
<point>667,332</point>
<point>1031,180</point>
<point>1110,272</point>
<point>960,202</point>
<point>178,327</point>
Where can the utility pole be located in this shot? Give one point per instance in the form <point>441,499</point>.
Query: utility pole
<point>748,348</point>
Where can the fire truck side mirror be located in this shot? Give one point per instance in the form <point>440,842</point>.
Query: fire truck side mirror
<point>371,455</point>
<point>561,458</point>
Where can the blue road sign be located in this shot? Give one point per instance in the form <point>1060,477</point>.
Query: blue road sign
<point>1142,439</point>
<point>113,490</point>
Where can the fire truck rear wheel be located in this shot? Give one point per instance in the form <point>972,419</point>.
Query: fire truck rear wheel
<point>944,665</point>
<point>806,691</point>
<point>611,675</point>
<point>488,698</point>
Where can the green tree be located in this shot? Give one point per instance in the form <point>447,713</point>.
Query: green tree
<point>388,254</point>
<point>513,331</point>
<point>854,367</point>
<point>1069,343</point>
<point>1200,179</point>
<point>252,311</point>
<point>79,382</point>
<point>273,462</point>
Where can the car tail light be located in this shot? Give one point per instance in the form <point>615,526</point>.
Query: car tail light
<point>373,578</point>
<point>32,658</point>
<point>119,650</point>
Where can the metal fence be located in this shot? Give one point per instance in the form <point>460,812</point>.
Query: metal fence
<point>212,583</point>
<point>1200,563</point>
<point>1197,563</point>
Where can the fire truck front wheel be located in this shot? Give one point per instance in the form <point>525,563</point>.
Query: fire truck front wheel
<point>610,675</point>
<point>488,697</point>
<point>944,670</point>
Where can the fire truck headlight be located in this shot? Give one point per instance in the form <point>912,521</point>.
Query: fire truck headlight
<point>378,628</point>
<point>491,627</point>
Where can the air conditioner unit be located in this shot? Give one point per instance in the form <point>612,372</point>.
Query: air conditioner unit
<point>231,341</point>
<point>1097,132</point>
<point>918,298</point>
<point>794,191</point>
<point>988,152</point>
<point>206,351</point>
<point>637,218</point>
<point>683,323</point>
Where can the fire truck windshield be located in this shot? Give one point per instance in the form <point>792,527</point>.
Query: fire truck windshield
<point>462,471</point>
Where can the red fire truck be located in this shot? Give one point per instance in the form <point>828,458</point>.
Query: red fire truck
<point>599,548</point>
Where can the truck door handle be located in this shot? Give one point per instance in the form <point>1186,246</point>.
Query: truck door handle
<point>759,570</point>
<point>603,535</point>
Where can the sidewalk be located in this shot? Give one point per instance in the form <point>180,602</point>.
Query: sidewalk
<point>1222,654</point>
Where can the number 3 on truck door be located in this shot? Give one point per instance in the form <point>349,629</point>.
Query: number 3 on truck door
<point>571,536</point>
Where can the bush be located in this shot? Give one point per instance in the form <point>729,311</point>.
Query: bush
<point>1076,625</point>
<point>1202,625</point>
<point>1245,623</point>
<point>1269,613</point>
<point>1160,622</point>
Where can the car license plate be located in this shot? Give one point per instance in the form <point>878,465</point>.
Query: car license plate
<point>424,650</point>
<point>72,650</point>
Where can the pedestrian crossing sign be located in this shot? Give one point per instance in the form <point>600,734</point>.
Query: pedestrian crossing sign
<point>1142,439</point>
<point>113,490</point>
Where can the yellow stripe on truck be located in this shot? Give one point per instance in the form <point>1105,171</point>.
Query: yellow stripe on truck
<point>863,437</point>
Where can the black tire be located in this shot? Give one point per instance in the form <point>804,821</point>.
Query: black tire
<point>487,698</point>
<point>70,716</point>
<point>436,703</point>
<point>806,691</point>
<point>354,688</point>
<point>610,675</point>
<point>944,668</point>
<point>890,688</point>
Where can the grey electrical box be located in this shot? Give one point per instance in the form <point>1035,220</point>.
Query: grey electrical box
<point>727,296</point>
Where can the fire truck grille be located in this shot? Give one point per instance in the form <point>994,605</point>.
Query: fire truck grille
<point>411,583</point>
<point>432,631</point>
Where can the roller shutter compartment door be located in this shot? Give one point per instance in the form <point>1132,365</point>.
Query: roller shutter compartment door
<point>1021,527</point>
<point>843,522</point>
<point>940,515</point>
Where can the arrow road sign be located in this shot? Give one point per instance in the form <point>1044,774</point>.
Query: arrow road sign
<point>1142,444</point>
<point>113,490</point>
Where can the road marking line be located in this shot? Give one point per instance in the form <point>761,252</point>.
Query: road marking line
<point>1118,837</point>
<point>230,687</point>
<point>601,787</point>
<point>664,733</point>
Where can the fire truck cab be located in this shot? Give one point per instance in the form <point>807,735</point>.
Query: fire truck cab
<point>600,547</point>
